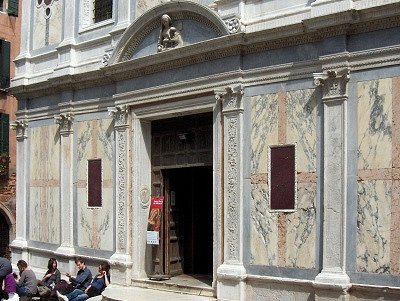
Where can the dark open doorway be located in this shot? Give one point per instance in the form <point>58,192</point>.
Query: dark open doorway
<point>188,231</point>
<point>4,237</point>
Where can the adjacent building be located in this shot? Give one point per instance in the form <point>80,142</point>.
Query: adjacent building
<point>269,129</point>
<point>9,48</point>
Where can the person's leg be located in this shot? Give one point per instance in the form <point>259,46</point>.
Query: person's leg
<point>76,292</point>
<point>81,297</point>
<point>22,291</point>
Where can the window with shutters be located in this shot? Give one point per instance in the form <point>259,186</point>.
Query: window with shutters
<point>94,183</point>
<point>4,64</point>
<point>12,8</point>
<point>282,177</point>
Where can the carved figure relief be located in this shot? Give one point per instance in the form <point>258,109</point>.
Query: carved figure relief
<point>170,37</point>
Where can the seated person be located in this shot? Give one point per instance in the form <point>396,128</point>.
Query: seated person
<point>52,276</point>
<point>10,288</point>
<point>99,283</point>
<point>27,283</point>
<point>50,279</point>
<point>83,277</point>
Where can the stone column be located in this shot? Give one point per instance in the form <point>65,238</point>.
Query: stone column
<point>231,274</point>
<point>122,213</point>
<point>65,120</point>
<point>333,278</point>
<point>20,240</point>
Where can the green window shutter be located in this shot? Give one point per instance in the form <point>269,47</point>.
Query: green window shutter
<point>4,131</point>
<point>4,64</point>
<point>12,8</point>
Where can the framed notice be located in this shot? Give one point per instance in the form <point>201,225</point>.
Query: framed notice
<point>154,220</point>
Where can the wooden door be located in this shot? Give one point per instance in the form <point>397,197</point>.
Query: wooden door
<point>172,225</point>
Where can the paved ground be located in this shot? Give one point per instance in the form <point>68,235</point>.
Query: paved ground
<point>122,293</point>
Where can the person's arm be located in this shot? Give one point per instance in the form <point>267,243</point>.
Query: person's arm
<point>21,280</point>
<point>58,276</point>
<point>106,280</point>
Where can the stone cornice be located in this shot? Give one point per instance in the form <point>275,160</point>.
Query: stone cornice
<point>226,46</point>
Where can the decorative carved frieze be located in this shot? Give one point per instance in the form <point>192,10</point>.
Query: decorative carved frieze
<point>333,83</point>
<point>121,190</point>
<point>20,127</point>
<point>231,98</point>
<point>65,120</point>
<point>120,115</point>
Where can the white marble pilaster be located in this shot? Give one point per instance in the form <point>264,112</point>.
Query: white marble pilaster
<point>122,212</point>
<point>65,121</point>
<point>334,97</point>
<point>231,274</point>
<point>66,50</point>
<point>141,183</point>
<point>20,240</point>
<point>124,11</point>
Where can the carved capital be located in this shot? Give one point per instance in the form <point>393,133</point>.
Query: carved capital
<point>333,83</point>
<point>65,120</point>
<point>20,127</point>
<point>231,98</point>
<point>120,115</point>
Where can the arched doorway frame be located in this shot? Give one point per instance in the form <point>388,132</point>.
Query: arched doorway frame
<point>6,212</point>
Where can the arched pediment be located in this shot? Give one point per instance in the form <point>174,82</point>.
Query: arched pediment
<point>195,23</point>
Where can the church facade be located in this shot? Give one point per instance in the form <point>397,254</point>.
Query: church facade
<point>264,134</point>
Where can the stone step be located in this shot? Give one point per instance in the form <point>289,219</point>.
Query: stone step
<point>184,287</point>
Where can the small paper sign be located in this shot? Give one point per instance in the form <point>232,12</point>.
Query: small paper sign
<point>153,238</point>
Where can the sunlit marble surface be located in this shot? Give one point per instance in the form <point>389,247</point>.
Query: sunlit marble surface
<point>375,124</point>
<point>374,194</point>
<point>95,225</point>
<point>44,196</point>
<point>295,247</point>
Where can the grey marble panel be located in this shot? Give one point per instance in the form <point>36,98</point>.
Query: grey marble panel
<point>373,224</point>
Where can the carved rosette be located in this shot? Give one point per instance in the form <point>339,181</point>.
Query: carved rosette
<point>120,115</point>
<point>232,109</point>
<point>65,120</point>
<point>20,127</point>
<point>233,25</point>
<point>333,83</point>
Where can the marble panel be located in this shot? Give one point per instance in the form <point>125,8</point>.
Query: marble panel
<point>39,28</point>
<point>95,140</point>
<point>144,5</point>
<point>301,228</point>
<point>44,184</point>
<point>55,22</point>
<point>375,124</point>
<point>264,228</point>
<point>302,127</point>
<point>264,130</point>
<point>373,226</point>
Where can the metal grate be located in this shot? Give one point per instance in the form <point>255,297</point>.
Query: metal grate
<point>102,10</point>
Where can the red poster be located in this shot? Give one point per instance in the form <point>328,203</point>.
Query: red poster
<point>154,220</point>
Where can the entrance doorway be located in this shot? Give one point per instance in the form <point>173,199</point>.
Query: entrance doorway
<point>4,236</point>
<point>187,224</point>
<point>182,159</point>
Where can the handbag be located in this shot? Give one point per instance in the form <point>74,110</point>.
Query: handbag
<point>44,291</point>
